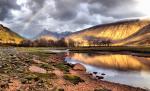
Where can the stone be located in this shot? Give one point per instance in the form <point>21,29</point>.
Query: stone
<point>37,69</point>
<point>79,67</point>
<point>95,72</point>
<point>103,74</point>
<point>99,77</point>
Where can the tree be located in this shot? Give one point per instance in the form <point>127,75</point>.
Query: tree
<point>26,43</point>
<point>61,43</point>
<point>71,43</point>
<point>106,42</point>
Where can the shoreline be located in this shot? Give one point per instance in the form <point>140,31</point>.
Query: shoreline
<point>39,71</point>
<point>107,84</point>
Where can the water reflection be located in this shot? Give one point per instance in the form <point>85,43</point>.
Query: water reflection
<point>113,61</point>
<point>125,69</point>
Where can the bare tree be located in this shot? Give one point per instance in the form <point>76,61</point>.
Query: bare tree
<point>71,43</point>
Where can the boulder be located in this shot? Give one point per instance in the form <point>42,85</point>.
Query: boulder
<point>79,67</point>
<point>37,69</point>
<point>99,77</point>
<point>94,72</point>
<point>103,74</point>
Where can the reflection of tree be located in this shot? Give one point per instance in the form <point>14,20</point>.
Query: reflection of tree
<point>112,61</point>
<point>70,54</point>
<point>92,54</point>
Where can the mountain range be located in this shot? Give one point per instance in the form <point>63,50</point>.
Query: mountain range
<point>49,35</point>
<point>125,32</point>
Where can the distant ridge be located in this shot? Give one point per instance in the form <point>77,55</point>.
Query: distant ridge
<point>51,35</point>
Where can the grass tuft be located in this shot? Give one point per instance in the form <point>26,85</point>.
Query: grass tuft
<point>73,79</point>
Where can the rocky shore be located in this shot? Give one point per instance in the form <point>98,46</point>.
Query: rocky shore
<point>21,70</point>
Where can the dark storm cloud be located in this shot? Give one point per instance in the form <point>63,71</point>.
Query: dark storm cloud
<point>35,5</point>
<point>65,9</point>
<point>5,6</point>
<point>115,8</point>
<point>112,3</point>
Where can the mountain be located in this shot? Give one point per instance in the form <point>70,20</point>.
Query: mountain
<point>8,36</point>
<point>45,34</point>
<point>48,35</point>
<point>125,32</point>
<point>142,37</point>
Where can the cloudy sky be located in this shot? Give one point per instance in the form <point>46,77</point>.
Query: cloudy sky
<point>30,17</point>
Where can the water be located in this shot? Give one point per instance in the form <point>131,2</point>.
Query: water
<point>119,68</point>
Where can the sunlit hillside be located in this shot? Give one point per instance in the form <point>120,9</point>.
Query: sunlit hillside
<point>142,37</point>
<point>8,36</point>
<point>116,32</point>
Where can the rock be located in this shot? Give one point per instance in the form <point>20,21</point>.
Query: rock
<point>79,67</point>
<point>1,66</point>
<point>100,77</point>
<point>37,69</point>
<point>94,72</point>
<point>38,61</point>
<point>103,74</point>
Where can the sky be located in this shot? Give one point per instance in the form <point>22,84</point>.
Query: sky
<point>30,17</point>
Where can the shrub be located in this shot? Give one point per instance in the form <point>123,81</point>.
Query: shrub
<point>73,79</point>
<point>29,78</point>
<point>47,76</point>
<point>63,67</point>
<point>101,89</point>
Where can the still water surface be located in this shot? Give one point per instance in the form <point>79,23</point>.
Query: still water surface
<point>119,68</point>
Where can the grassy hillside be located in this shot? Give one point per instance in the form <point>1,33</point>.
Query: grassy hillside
<point>8,36</point>
<point>142,37</point>
<point>116,32</point>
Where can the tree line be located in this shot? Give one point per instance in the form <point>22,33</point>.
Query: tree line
<point>59,43</point>
<point>63,43</point>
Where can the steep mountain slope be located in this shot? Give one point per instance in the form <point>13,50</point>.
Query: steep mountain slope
<point>142,37</point>
<point>116,32</point>
<point>8,36</point>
